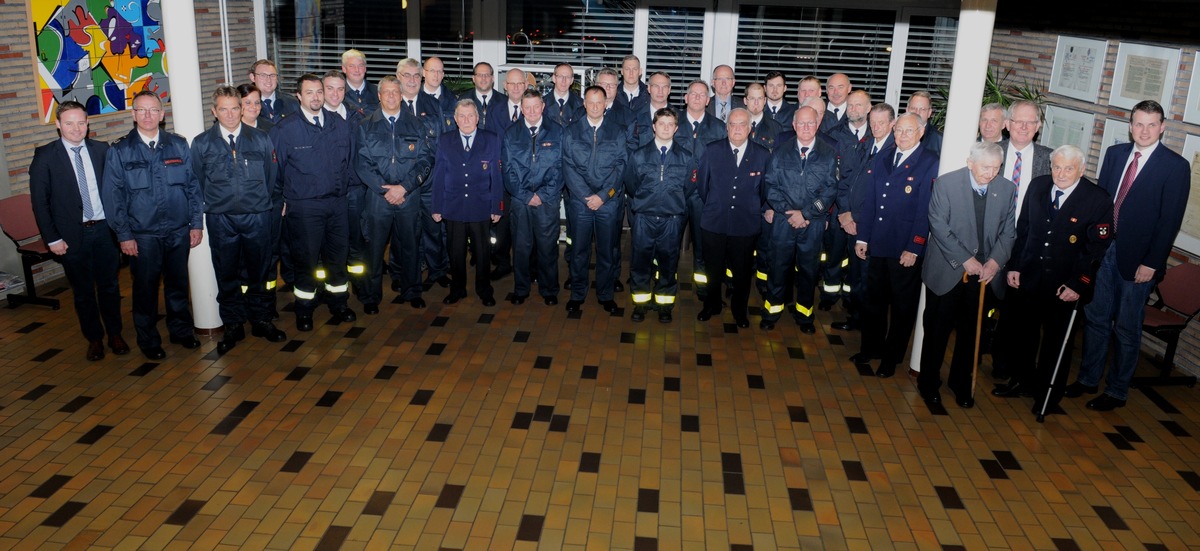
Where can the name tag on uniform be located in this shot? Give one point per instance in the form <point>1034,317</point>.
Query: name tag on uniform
<point>753,174</point>
<point>547,144</point>
<point>172,161</point>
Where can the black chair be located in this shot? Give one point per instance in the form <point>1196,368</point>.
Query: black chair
<point>1167,317</point>
<point>16,216</point>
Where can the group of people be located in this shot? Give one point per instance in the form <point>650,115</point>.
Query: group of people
<point>825,199</point>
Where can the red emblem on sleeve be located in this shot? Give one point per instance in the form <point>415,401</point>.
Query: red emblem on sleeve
<point>919,239</point>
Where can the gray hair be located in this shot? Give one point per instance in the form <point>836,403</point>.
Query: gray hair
<point>994,106</point>
<point>1012,108</point>
<point>1068,153</point>
<point>980,150</point>
<point>467,102</point>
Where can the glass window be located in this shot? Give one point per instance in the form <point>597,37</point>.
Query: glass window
<point>589,34</point>
<point>930,57</point>
<point>310,35</point>
<point>446,33</point>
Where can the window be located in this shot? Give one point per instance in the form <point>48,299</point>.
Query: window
<point>930,57</point>
<point>588,34</point>
<point>675,45</point>
<point>310,36</point>
<point>447,33</point>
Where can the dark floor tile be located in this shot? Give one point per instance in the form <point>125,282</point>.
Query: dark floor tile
<point>216,383</point>
<point>379,503</point>
<point>185,512</point>
<point>637,396</point>
<point>689,423</point>
<point>729,328</point>
<point>756,382</point>
<point>75,404</point>
<point>448,498</point>
<point>297,373</point>
<point>439,321</point>
<point>1065,544</point>
<point>645,544</point>
<point>1191,478</point>
<point>578,314</point>
<point>949,497</point>
<point>735,483</point>
<point>559,423</point>
<point>1156,547</point>
<point>226,426</point>
<point>333,538</point>
<point>521,336</point>
<point>731,462</point>
<point>628,338</point>
<point>589,462</point>
<point>671,384</point>
<point>1119,441</point>
<point>647,500</point>
<point>243,409</point>
<point>435,349</point>
<point>948,547</point>
<point>51,485</point>
<point>856,425</point>
<point>797,414</point>
<point>485,319</point>
<point>292,346</point>
<point>1158,400</point>
<point>530,528</point>
<point>589,372</point>
<point>421,398</point>
<point>439,432</point>
<point>522,420</point>
<point>854,470</point>
<point>543,414</point>
<point>993,469</point>
<point>1110,517</point>
<point>296,462</point>
<point>385,373</point>
<point>64,513</point>
<point>1129,434</point>
<point>1175,428</point>
<point>542,362</point>
<point>354,332</point>
<point>95,434</point>
<point>49,353</point>
<point>835,340</point>
<point>1007,460</point>
<point>795,353</point>
<point>741,547</point>
<point>800,499</point>
<point>30,328</point>
<point>329,399</point>
<point>144,369</point>
<point>703,360</point>
<point>36,393</point>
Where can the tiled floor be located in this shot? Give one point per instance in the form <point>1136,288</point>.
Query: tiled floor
<point>520,427</point>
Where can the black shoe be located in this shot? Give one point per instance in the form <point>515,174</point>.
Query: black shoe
<point>267,330</point>
<point>932,399</point>
<point>885,370</point>
<point>500,273</point>
<point>443,281</point>
<point>766,325</point>
<point>118,345</point>
<point>609,306</point>
<point>370,309</point>
<point>551,300</point>
<point>519,299</point>
<point>155,353</point>
<point>704,315</point>
<point>226,344</point>
<point>1012,390</point>
<point>808,328</point>
<point>1077,389</point>
<point>417,303</point>
<point>488,301</point>
<point>965,402</point>
<point>742,322</point>
<point>861,358</point>
<point>618,287</point>
<point>639,314</point>
<point>236,331</point>
<point>1105,403</point>
<point>574,305</point>
<point>95,351</point>
<point>304,323</point>
<point>396,287</point>
<point>189,342</point>
<point>664,316</point>
<point>453,298</point>
<point>826,304</point>
<point>344,314</point>
<point>847,325</point>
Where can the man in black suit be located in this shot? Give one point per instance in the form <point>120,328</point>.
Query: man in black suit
<point>64,186</point>
<point>1062,233</point>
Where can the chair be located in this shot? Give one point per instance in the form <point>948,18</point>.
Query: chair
<point>16,217</point>
<point>1167,317</point>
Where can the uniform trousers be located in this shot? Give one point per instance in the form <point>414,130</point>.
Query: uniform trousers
<point>796,250</point>
<point>833,270</point>
<point>165,258</point>
<point>1039,320</point>
<point>734,253</point>
<point>601,227</point>
<point>433,239</point>
<point>893,294</point>
<point>535,245</point>
<point>655,248</point>
<point>399,226</point>
<point>700,273</point>
<point>319,238</point>
<point>501,250</point>
<point>92,267</point>
<point>241,257</point>
<point>356,255</point>
<point>457,234</point>
<point>856,279</point>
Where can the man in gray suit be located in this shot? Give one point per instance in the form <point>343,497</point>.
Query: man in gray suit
<point>971,233</point>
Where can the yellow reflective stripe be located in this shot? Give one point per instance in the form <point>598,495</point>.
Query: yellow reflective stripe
<point>568,240</point>
<point>845,262</point>
<point>337,288</point>
<point>356,269</point>
<point>244,289</point>
<point>772,308</point>
<point>304,295</point>
<point>270,285</point>
<point>831,288</point>
<point>823,257</point>
<point>761,276</point>
<point>803,310</point>
<point>320,274</point>
<point>664,299</point>
<point>641,298</point>
<point>728,272</point>
<point>845,288</point>
<point>700,278</point>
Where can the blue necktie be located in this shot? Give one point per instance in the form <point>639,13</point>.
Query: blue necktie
<point>662,156</point>
<point>81,176</point>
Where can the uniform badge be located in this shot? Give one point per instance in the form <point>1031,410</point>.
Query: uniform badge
<point>611,193</point>
<point>412,147</point>
<point>694,176</point>
<point>1072,239</point>
<point>910,178</point>
<point>907,189</point>
<point>485,165</point>
<point>1074,220</point>
<point>1102,229</point>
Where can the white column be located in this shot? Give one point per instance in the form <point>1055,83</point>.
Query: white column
<point>971,50</point>
<point>490,43</point>
<point>260,30</point>
<point>187,116</point>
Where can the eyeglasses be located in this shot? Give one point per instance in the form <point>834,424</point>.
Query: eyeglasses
<point>483,74</point>
<point>143,111</point>
<point>1023,123</point>
<point>905,131</point>
<point>268,76</point>
<point>410,75</point>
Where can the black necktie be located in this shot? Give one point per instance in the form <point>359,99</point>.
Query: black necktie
<point>898,155</point>
<point>695,128</point>
<point>736,160</point>
<point>151,144</point>
<point>468,147</point>
<point>317,120</point>
<point>773,112</point>
<point>753,126</point>
<point>874,150</point>
<point>803,157</point>
<point>516,111</point>
<point>232,144</point>
<point>267,109</point>
<point>408,106</point>
<point>392,121</point>
<point>662,155</point>
<point>1058,193</point>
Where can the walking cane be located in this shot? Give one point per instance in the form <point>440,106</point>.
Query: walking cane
<point>1041,416</point>
<point>978,329</point>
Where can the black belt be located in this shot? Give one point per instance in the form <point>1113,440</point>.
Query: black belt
<point>91,223</point>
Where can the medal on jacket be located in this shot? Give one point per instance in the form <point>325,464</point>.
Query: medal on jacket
<point>485,165</point>
<point>907,189</point>
<point>412,146</point>
<point>1072,239</point>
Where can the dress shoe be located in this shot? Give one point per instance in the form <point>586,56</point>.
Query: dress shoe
<point>932,399</point>
<point>154,353</point>
<point>704,315</point>
<point>396,287</point>
<point>861,358</point>
<point>519,299</point>
<point>965,402</point>
<point>236,331</point>
<point>453,298</point>
<point>304,323</point>
<point>488,301</point>
<point>500,273</point>
<point>118,345</point>
<point>639,314</point>
<point>885,370</point>
<point>1077,389</point>
<point>609,306</point>
<point>226,344</point>
<point>574,305</point>
<point>267,330</point>
<point>766,325</point>
<point>1105,403</point>
<point>417,303</point>
<point>744,323</point>
<point>95,351</point>
<point>826,304</point>
<point>344,314</point>
<point>551,300</point>
<point>847,325</point>
<point>443,281</point>
<point>370,309</point>
<point>189,342</point>
<point>664,315</point>
<point>618,287</point>
<point>1012,390</point>
<point>808,328</point>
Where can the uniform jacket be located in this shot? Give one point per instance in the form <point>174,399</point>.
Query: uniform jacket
<point>497,102</point>
<point>54,189</point>
<point>766,132</point>
<point>314,163</point>
<point>236,181</point>
<point>710,130</point>
<point>284,104</point>
<point>364,103</point>
<point>533,164</point>
<point>932,139</point>
<point>829,122</point>
<point>1153,209</point>
<point>391,154</point>
<point>641,128</point>
<point>809,186</point>
<point>150,191</point>
<point>1039,166</point>
<point>468,186</point>
<point>642,101</point>
<point>617,114</point>
<point>735,101</point>
<point>854,169</point>
<point>661,188</point>
<point>733,194</point>
<point>850,154</point>
<point>894,217</point>
<point>953,230</point>
<point>440,108</point>
<point>1066,248</point>
<point>783,115</point>
<point>594,163</point>
<point>502,118</point>
<point>569,112</point>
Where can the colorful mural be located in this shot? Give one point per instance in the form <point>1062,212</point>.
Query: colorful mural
<point>98,52</point>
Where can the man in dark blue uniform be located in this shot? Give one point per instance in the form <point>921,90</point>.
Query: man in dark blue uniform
<point>615,111</point>
<point>641,129</point>
<point>235,165</point>
<point>764,130</point>
<point>659,177</point>
<point>489,103</point>
<point>801,180</point>
<point>594,157</point>
<point>467,191</point>
<point>334,88</point>
<point>361,94</point>
<point>778,107</point>
<point>563,106</point>
<point>394,158</point>
<point>723,101</point>
<point>314,154</point>
<point>515,84</point>
<point>632,95</point>
<point>921,103</point>
<point>837,91</point>
<point>275,106</point>
<point>153,203</point>
<point>532,163</point>
<point>437,102</point>
<point>851,136</point>
<point>697,130</point>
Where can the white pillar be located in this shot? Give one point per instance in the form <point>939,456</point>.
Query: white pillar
<point>260,30</point>
<point>187,116</point>
<point>976,22</point>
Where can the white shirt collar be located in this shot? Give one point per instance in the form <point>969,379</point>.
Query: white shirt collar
<point>237,132</point>
<point>660,144</point>
<point>157,138</point>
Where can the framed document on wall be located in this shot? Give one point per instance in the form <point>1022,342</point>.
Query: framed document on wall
<point>1115,132</point>
<point>1068,127</point>
<point>1144,72</point>
<point>1078,64</point>
<point>1191,111</point>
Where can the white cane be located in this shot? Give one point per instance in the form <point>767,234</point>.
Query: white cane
<point>1041,416</point>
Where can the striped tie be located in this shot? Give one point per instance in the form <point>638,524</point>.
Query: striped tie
<point>81,177</point>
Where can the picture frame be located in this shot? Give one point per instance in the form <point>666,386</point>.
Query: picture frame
<point>1078,66</point>
<point>1144,72</point>
<point>1189,233</point>
<point>1191,110</point>
<point>1067,126</point>
<point>1115,132</point>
